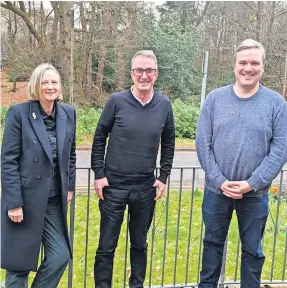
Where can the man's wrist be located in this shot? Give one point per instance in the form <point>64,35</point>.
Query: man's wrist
<point>99,173</point>
<point>252,182</point>
<point>219,181</point>
<point>162,177</point>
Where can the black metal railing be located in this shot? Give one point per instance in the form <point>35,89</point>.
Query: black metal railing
<point>175,237</point>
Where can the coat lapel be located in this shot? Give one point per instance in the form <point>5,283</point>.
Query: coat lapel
<point>40,129</point>
<point>61,121</point>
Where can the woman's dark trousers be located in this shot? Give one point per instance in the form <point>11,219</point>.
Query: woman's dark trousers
<point>56,252</point>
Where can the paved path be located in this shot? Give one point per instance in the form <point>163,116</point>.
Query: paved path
<point>181,159</point>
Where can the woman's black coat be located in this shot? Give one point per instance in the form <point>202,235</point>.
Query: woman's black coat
<point>27,168</point>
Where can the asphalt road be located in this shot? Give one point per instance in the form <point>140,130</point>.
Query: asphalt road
<point>181,159</point>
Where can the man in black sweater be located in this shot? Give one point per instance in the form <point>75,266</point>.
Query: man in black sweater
<point>136,121</point>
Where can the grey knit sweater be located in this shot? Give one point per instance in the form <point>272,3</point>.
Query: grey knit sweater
<point>242,138</point>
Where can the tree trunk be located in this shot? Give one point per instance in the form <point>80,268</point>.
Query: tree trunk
<point>101,67</point>
<point>284,94</point>
<point>14,89</point>
<point>55,53</point>
<point>65,47</point>
<point>120,63</point>
<point>88,86</point>
<point>105,36</point>
<point>258,26</point>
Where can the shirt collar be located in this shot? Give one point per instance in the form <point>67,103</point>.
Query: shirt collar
<point>44,114</point>
<point>132,87</point>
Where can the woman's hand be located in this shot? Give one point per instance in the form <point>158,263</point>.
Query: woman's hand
<point>16,214</point>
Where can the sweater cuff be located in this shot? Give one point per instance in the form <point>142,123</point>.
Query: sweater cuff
<point>252,182</point>
<point>71,188</point>
<point>162,177</point>
<point>218,181</point>
<point>99,173</point>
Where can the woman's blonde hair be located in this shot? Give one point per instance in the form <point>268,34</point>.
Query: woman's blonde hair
<point>34,84</point>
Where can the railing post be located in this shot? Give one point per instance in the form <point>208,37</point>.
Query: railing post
<point>280,217</point>
<point>202,98</point>
<point>72,232</point>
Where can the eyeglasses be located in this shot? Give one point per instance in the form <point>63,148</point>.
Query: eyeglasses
<point>140,71</point>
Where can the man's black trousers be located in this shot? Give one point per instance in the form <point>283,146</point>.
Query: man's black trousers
<point>140,200</point>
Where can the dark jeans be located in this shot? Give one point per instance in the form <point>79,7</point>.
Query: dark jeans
<point>56,251</point>
<point>140,200</point>
<point>252,215</point>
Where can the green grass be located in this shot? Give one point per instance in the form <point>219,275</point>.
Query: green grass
<point>184,143</point>
<point>171,250</point>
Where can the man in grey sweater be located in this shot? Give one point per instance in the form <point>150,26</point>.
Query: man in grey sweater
<point>241,143</point>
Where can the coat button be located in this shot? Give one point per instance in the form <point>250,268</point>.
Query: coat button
<point>71,138</point>
<point>38,176</point>
<point>35,159</point>
<point>34,141</point>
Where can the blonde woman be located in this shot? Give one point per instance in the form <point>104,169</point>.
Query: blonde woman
<point>38,181</point>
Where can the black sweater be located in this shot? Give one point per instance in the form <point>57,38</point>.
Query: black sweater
<point>135,132</point>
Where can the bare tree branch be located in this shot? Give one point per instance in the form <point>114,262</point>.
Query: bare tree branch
<point>199,19</point>
<point>15,29</point>
<point>279,14</point>
<point>22,6</point>
<point>54,36</point>
<point>271,22</point>
<point>249,6</point>
<point>9,6</point>
<point>46,19</point>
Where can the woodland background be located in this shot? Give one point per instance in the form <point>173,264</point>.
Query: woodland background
<point>92,43</point>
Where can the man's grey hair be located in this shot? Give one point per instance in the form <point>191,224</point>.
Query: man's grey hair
<point>250,43</point>
<point>146,53</point>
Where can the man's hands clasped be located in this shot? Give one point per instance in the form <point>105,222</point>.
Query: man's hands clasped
<point>235,189</point>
